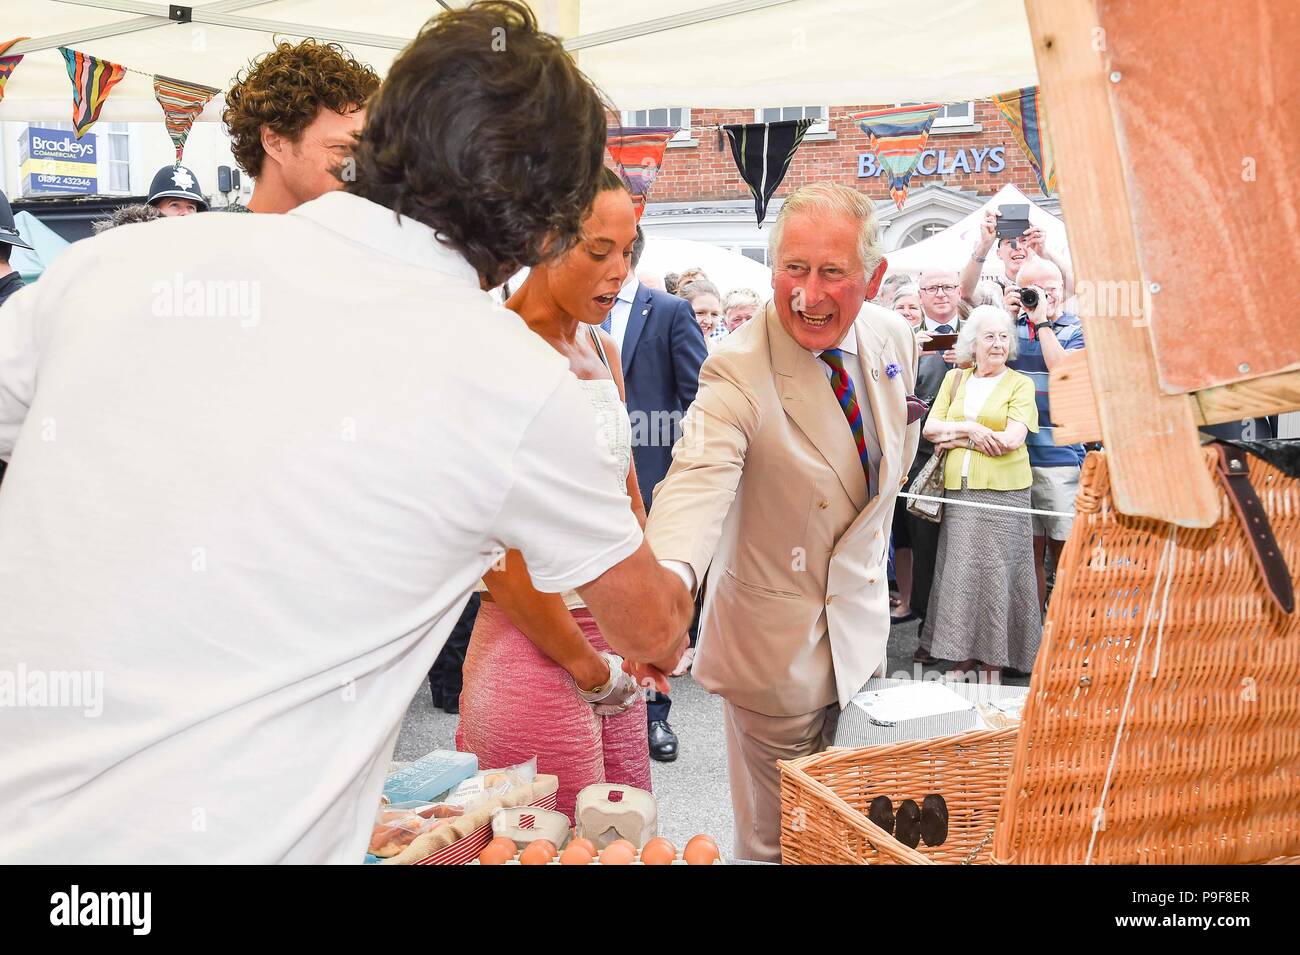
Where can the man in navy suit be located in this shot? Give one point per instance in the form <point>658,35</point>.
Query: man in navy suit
<point>662,348</point>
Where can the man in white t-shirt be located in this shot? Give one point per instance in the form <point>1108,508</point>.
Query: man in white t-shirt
<point>259,463</point>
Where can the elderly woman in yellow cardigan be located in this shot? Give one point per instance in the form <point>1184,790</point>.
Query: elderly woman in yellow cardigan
<point>984,609</point>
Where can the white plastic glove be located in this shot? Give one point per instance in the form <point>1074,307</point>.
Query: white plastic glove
<point>618,693</point>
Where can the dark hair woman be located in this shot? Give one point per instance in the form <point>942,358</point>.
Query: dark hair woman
<point>539,677</point>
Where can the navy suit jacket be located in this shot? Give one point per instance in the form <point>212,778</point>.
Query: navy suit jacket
<point>663,350</point>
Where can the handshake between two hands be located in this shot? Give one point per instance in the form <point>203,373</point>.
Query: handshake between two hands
<point>627,680</point>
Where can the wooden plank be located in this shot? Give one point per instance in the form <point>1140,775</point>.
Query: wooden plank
<point>1273,394</point>
<point>1207,109</point>
<point>1074,406</point>
<point>1156,467</point>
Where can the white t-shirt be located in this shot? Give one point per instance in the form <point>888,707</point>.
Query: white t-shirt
<point>977,392</point>
<point>260,462</point>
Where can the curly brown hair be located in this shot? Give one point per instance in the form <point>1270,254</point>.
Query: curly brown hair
<point>486,131</point>
<point>285,89</point>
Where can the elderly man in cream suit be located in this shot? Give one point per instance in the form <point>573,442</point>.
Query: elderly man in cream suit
<point>782,491</point>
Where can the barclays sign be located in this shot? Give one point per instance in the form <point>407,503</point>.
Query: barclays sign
<point>944,162</point>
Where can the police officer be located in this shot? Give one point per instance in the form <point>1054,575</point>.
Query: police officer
<point>10,280</point>
<point>175,191</point>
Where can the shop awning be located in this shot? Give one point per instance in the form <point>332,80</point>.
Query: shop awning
<point>745,53</point>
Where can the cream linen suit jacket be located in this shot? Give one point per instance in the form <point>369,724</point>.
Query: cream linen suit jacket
<point>766,493</point>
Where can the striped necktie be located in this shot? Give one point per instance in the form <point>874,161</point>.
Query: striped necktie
<point>842,385</point>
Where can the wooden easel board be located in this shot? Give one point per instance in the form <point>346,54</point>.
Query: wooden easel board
<point>1206,100</point>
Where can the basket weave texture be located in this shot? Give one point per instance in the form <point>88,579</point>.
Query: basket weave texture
<point>1162,723</point>
<point>825,798</point>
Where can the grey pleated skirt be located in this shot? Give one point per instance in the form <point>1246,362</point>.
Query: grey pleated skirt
<point>984,601</point>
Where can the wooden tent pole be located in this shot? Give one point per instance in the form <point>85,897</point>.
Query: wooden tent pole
<point>1156,467</point>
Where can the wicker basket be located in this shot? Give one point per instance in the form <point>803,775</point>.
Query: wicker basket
<point>1162,723</point>
<point>1164,710</point>
<point>825,797</point>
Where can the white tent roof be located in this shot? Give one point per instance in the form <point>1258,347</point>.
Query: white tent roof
<point>953,246</point>
<point>727,270</point>
<point>745,53</point>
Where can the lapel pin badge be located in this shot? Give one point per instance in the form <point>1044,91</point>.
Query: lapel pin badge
<point>875,374</point>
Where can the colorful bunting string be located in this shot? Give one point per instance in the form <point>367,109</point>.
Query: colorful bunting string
<point>639,153</point>
<point>763,152</point>
<point>92,80</point>
<point>181,104</point>
<point>898,135</point>
<point>1023,111</point>
<point>9,63</point>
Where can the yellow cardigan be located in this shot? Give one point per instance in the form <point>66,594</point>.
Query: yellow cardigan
<point>1012,397</point>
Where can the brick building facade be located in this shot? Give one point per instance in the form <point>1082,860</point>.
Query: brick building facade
<point>699,194</point>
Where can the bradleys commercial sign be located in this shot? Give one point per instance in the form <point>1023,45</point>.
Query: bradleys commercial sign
<point>55,161</point>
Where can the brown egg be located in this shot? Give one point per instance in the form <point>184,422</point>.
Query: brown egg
<point>621,852</point>
<point>586,844</point>
<point>576,854</point>
<point>658,851</point>
<point>539,852</point>
<point>495,853</point>
<point>701,850</point>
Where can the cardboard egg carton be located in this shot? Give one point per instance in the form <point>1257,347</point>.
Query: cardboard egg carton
<point>607,812</point>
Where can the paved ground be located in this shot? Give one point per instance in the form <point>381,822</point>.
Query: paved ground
<point>692,792</point>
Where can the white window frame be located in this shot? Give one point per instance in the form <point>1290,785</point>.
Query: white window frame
<point>957,124</point>
<point>106,152</point>
<point>941,122</point>
<point>818,130</point>
<point>684,136</point>
<point>952,124</point>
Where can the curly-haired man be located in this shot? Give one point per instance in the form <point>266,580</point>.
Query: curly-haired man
<point>293,117</point>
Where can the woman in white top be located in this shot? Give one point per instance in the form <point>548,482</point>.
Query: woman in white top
<point>539,679</point>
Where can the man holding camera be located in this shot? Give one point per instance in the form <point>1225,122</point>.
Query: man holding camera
<point>1046,333</point>
<point>1016,247</point>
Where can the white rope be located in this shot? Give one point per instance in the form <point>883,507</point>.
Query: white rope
<point>991,507</point>
<point>1164,566</point>
<point>1164,602</point>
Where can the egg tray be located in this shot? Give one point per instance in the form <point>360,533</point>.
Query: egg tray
<point>556,861</point>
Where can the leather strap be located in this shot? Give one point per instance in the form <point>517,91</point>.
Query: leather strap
<point>1234,474</point>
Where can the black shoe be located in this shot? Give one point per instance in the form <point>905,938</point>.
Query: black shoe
<point>451,703</point>
<point>663,742</point>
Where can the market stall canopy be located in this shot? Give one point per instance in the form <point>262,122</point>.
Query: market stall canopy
<point>748,53</point>
<point>47,245</point>
<point>952,247</point>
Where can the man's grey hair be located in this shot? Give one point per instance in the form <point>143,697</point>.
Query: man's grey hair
<point>973,327</point>
<point>740,296</point>
<point>832,199</point>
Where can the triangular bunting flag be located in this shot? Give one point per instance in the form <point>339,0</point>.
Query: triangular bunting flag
<point>639,152</point>
<point>898,134</point>
<point>762,152</point>
<point>1023,111</point>
<point>9,63</point>
<point>92,79</point>
<point>181,104</point>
